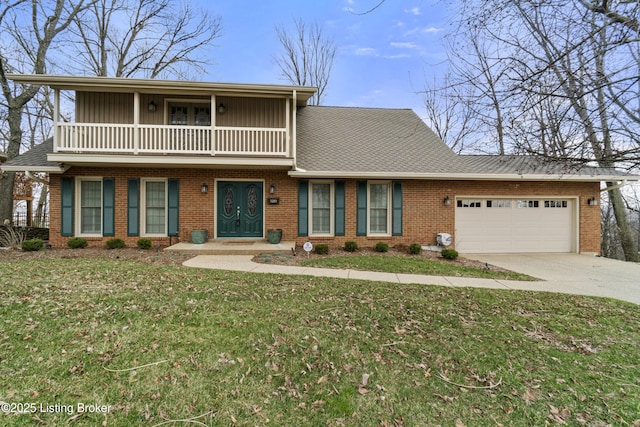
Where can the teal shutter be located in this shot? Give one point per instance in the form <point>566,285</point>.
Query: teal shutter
<point>66,225</point>
<point>361,208</point>
<point>133,207</point>
<point>108,207</point>
<point>303,208</point>
<point>173,200</point>
<point>339,208</point>
<point>396,215</point>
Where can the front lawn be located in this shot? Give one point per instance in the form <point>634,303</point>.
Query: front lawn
<point>147,344</point>
<point>412,265</point>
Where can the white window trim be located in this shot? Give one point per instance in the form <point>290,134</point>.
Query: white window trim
<point>389,208</point>
<point>143,207</point>
<point>190,103</point>
<point>331,207</point>
<point>78,205</point>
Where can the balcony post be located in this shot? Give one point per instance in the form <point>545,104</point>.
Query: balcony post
<point>136,122</point>
<point>214,114</point>
<point>56,119</point>
<point>294,108</point>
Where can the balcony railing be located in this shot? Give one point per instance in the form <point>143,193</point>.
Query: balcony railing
<point>156,139</point>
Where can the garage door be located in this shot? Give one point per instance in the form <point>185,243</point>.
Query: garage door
<point>515,225</point>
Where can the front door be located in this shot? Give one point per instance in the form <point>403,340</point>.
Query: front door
<point>240,209</point>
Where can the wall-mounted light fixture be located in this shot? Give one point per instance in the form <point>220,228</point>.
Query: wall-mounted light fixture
<point>447,201</point>
<point>204,188</point>
<point>222,109</point>
<point>153,107</point>
<point>593,201</point>
<point>272,188</point>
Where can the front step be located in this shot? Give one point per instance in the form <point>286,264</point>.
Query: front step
<point>232,247</point>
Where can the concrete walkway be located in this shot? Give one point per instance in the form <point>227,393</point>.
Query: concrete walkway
<point>625,291</point>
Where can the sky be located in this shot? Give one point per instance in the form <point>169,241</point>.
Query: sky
<point>383,57</point>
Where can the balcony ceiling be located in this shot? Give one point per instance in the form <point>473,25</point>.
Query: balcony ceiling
<point>168,87</point>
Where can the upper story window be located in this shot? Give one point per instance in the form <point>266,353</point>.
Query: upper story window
<point>186,113</point>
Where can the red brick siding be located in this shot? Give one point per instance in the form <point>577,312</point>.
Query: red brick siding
<point>424,213</point>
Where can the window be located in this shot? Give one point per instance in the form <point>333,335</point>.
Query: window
<point>187,113</point>
<point>154,207</point>
<point>464,203</point>
<point>527,204</point>
<point>379,211</point>
<point>90,207</point>
<point>498,203</point>
<point>321,208</point>
<point>555,203</point>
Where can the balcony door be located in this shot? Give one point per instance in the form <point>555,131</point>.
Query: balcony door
<point>240,208</point>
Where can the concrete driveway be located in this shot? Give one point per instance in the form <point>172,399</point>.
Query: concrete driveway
<point>573,273</point>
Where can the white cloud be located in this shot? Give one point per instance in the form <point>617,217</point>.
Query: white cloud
<point>405,45</point>
<point>414,11</point>
<point>366,51</point>
<point>422,30</point>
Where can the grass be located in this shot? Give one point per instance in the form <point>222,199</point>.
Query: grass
<point>411,265</point>
<point>160,343</point>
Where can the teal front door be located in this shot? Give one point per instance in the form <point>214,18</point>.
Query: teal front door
<point>240,209</point>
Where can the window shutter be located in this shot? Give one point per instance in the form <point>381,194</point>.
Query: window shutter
<point>339,208</point>
<point>303,208</point>
<point>108,207</point>
<point>396,202</point>
<point>67,196</point>
<point>173,201</point>
<point>361,206</point>
<point>133,207</point>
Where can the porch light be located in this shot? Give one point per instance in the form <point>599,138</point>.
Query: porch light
<point>272,188</point>
<point>221,108</point>
<point>593,201</point>
<point>204,188</point>
<point>447,201</point>
<point>152,107</point>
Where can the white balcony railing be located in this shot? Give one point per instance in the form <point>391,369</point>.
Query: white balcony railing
<point>155,139</point>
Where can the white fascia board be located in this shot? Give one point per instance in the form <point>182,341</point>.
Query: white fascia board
<point>46,169</point>
<point>459,176</point>
<point>169,161</point>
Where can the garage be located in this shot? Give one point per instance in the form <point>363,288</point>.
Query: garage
<point>500,225</point>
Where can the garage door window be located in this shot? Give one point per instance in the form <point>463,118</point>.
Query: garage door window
<point>498,203</point>
<point>555,203</point>
<point>528,204</point>
<point>465,203</point>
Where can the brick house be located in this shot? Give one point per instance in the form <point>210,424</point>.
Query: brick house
<point>158,159</point>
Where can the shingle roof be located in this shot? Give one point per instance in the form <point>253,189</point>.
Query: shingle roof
<point>34,159</point>
<point>369,140</point>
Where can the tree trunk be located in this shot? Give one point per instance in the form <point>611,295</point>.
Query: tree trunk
<point>627,241</point>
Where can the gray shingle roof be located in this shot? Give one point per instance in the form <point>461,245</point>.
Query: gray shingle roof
<point>34,158</point>
<point>369,140</point>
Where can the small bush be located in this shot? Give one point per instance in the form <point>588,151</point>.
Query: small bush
<point>32,245</point>
<point>382,247</point>
<point>143,243</point>
<point>449,254</point>
<point>115,243</point>
<point>322,249</point>
<point>415,248</point>
<point>77,243</point>
<point>350,246</point>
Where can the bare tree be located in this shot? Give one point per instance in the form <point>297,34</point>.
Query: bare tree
<point>307,57</point>
<point>25,49</point>
<point>160,38</point>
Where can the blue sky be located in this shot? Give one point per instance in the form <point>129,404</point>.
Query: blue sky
<point>382,60</point>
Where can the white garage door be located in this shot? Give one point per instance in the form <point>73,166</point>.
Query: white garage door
<point>515,225</point>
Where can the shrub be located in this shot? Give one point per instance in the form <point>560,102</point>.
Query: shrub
<point>115,243</point>
<point>77,242</point>
<point>322,249</point>
<point>32,245</point>
<point>449,254</point>
<point>415,248</point>
<point>143,243</point>
<point>350,246</point>
<point>382,247</point>
<point>10,236</point>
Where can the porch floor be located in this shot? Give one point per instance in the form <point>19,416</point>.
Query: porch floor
<point>232,247</point>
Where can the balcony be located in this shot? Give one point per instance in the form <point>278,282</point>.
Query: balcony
<point>101,138</point>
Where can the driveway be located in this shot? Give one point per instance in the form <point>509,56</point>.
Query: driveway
<point>573,273</point>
